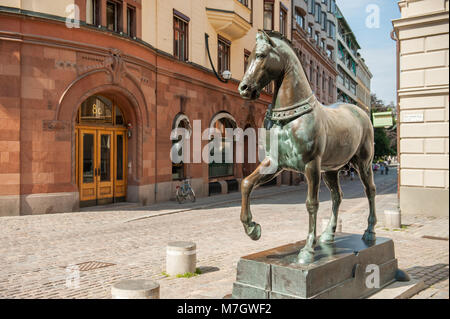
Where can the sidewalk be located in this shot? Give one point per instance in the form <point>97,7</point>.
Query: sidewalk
<point>35,250</point>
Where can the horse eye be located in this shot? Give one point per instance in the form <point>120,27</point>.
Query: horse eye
<point>261,56</point>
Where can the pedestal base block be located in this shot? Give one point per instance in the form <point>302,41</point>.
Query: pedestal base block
<point>348,268</point>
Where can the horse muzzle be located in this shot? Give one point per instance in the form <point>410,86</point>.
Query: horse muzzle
<point>248,92</point>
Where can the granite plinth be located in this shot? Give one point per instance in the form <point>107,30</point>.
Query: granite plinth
<point>343,269</point>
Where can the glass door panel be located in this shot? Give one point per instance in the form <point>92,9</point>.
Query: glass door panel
<point>120,182</point>
<point>105,165</point>
<point>87,165</point>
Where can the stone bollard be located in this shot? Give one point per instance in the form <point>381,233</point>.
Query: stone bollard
<point>325,222</point>
<point>392,219</point>
<point>135,289</point>
<point>181,258</point>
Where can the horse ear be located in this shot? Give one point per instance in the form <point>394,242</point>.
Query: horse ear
<point>264,36</point>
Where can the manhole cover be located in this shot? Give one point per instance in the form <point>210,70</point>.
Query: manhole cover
<point>91,265</point>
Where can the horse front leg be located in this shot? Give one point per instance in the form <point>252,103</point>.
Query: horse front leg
<point>312,172</point>
<point>260,176</point>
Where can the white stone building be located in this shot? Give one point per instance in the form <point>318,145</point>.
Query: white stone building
<point>423,98</point>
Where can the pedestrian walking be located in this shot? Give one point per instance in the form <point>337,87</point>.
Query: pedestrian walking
<point>382,168</point>
<point>386,168</point>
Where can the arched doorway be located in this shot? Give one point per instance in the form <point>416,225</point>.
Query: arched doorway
<point>101,152</point>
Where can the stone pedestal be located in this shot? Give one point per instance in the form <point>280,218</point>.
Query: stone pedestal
<point>181,258</point>
<point>349,268</point>
<point>135,289</point>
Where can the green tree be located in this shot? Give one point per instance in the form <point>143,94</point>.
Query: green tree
<point>382,144</point>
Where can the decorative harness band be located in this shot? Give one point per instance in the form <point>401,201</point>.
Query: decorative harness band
<point>287,113</point>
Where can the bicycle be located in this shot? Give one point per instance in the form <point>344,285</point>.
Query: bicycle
<point>184,192</point>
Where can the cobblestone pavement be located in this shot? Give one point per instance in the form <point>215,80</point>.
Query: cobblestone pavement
<point>36,250</point>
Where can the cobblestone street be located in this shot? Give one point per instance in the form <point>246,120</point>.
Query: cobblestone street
<point>35,250</point>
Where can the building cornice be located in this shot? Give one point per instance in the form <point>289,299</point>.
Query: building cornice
<point>429,18</point>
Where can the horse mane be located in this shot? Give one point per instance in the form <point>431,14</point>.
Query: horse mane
<point>279,36</point>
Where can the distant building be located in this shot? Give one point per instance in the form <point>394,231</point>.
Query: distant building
<point>363,76</point>
<point>314,38</point>
<point>423,99</point>
<point>347,61</point>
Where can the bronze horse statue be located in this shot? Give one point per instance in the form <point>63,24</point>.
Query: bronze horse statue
<point>312,138</point>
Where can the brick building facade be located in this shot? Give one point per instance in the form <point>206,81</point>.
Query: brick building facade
<point>86,113</point>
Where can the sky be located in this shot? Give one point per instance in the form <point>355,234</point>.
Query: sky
<point>377,47</point>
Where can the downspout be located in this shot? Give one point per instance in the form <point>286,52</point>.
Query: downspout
<point>156,107</point>
<point>397,43</point>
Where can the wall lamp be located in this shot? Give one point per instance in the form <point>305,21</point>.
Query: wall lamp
<point>226,75</point>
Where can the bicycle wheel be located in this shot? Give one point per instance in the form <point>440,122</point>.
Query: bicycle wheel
<point>179,197</point>
<point>191,196</point>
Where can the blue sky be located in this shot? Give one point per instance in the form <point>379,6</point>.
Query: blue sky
<point>377,47</point>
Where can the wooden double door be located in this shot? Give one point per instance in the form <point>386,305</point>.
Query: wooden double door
<point>101,165</point>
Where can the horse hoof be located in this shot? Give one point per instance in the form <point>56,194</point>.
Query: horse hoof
<point>327,238</point>
<point>305,257</point>
<point>369,236</point>
<point>254,231</point>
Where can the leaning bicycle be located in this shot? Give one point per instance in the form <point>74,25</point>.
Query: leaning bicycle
<point>185,192</point>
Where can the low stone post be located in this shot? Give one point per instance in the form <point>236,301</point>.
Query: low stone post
<point>392,219</point>
<point>135,289</point>
<point>181,258</point>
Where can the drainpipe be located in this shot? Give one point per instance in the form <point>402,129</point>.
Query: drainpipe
<point>397,43</point>
<point>156,107</point>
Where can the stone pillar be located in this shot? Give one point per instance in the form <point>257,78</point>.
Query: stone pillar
<point>181,258</point>
<point>392,219</point>
<point>135,289</point>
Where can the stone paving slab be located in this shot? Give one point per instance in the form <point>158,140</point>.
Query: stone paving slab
<point>36,250</point>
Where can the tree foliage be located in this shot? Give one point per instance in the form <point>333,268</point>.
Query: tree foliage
<point>385,139</point>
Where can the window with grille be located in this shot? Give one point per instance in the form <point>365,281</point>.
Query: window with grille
<point>300,19</point>
<point>131,21</point>
<point>180,38</point>
<point>283,21</point>
<point>223,51</point>
<point>93,12</point>
<point>268,15</point>
<point>113,15</point>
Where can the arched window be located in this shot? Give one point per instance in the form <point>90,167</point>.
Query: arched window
<point>100,110</point>
<point>179,169</point>
<point>225,167</point>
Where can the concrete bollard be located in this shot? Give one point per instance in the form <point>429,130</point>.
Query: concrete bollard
<point>135,289</point>
<point>181,258</point>
<point>325,222</point>
<point>392,219</point>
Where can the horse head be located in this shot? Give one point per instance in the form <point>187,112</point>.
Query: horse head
<point>265,65</point>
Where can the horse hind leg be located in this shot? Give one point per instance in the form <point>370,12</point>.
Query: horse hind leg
<point>332,181</point>
<point>366,176</point>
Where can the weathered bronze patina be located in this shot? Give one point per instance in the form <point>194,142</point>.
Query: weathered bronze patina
<point>311,138</point>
